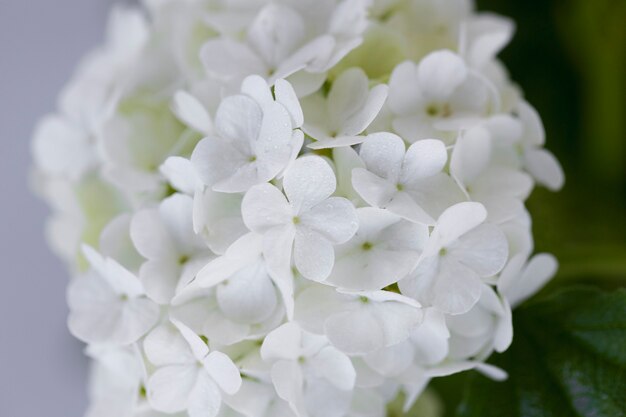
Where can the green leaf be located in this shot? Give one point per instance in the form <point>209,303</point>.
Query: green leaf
<point>568,358</point>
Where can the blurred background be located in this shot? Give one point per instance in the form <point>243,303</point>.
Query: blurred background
<point>569,56</point>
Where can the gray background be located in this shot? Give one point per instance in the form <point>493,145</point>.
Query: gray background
<point>42,370</point>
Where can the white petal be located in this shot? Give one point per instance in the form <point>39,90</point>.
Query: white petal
<point>276,32</point>
<point>286,96</point>
<point>264,207</point>
<point>423,159</point>
<point>225,59</point>
<point>169,387</point>
<point>313,254</point>
<point>488,34</point>
<point>376,191</point>
<point>336,367</point>
<point>205,398</point>
<point>539,270</point>
<point>308,181</point>
<point>150,236</point>
<point>430,339</point>
<point>239,119</point>
<point>458,220</point>
<point>196,344</point>
<point>282,343</point>
<point>545,168</point>
<point>456,290</point>
<point>166,346</point>
<point>355,332</point>
<point>288,381</point>
<point>160,279</point>
<point>335,219</point>
<point>190,111</point>
<point>360,121</point>
<point>471,155</point>
<point>256,87</point>
<point>122,281</point>
<point>215,159</point>
<point>483,249</point>
<point>383,154</point>
<point>181,174</point>
<point>404,93</point>
<point>440,73</point>
<point>248,296</point>
<point>277,249</point>
<point>223,371</point>
<point>347,95</point>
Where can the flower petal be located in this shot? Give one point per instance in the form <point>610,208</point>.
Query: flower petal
<point>313,254</point>
<point>309,181</point>
<point>335,219</point>
<point>423,159</point>
<point>223,371</point>
<point>383,154</point>
<point>190,111</point>
<point>264,207</point>
<point>440,73</point>
<point>169,387</point>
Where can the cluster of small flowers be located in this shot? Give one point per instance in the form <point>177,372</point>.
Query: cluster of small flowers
<point>292,207</point>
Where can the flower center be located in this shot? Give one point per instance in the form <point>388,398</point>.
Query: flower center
<point>367,246</point>
<point>296,220</point>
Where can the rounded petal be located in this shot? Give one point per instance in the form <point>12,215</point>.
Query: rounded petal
<point>165,345</point>
<point>205,398</point>
<point>376,191</point>
<point>169,387</point>
<point>313,254</point>
<point>309,181</point>
<point>440,73</point>
<point>359,121</point>
<point>458,220</point>
<point>484,249</point>
<point>248,296</point>
<point>282,343</point>
<point>223,371</point>
<point>190,111</point>
<point>225,58</point>
<point>471,155</point>
<point>355,332</point>
<point>383,154</point>
<point>336,367</point>
<point>423,159</point>
<point>264,207</point>
<point>286,96</point>
<point>545,168</point>
<point>335,219</point>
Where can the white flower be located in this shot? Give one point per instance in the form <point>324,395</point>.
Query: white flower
<point>285,38</point>
<point>174,253</point>
<point>404,183</point>
<point>254,142</point>
<point>438,95</point>
<point>108,305</point>
<point>188,375</point>
<point>244,286</point>
<point>383,251</point>
<point>339,118</point>
<point>460,251</point>
<point>305,220</point>
<point>314,378</point>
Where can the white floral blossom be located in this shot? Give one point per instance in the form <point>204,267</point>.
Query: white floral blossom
<point>109,305</point>
<point>437,96</point>
<point>404,182</point>
<point>383,251</point>
<point>173,252</point>
<point>305,366</point>
<point>305,220</point>
<point>188,375</point>
<point>240,273</point>
<point>349,108</point>
<point>461,251</point>
<point>246,150</point>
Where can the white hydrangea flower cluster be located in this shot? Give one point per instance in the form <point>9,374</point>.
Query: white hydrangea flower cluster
<point>292,207</point>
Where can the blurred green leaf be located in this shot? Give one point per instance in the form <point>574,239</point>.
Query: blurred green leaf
<point>568,359</point>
